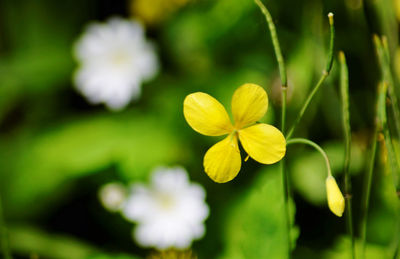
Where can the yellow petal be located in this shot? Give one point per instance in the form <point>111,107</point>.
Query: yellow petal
<point>335,197</point>
<point>249,104</point>
<point>264,143</point>
<point>222,161</point>
<point>206,115</point>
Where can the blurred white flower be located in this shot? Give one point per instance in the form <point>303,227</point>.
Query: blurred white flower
<point>170,212</point>
<point>114,59</point>
<point>112,196</point>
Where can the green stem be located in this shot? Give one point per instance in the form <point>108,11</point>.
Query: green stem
<point>286,207</point>
<point>384,60</point>
<point>344,92</point>
<point>367,184</point>
<point>305,105</point>
<point>282,72</point>
<point>283,118</point>
<point>331,43</point>
<point>314,145</point>
<point>324,75</point>
<point>3,235</point>
<point>366,192</point>
<point>285,178</point>
<point>275,41</point>
<point>394,166</point>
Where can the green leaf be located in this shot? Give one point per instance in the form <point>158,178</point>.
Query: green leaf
<point>29,240</point>
<point>255,226</point>
<point>44,163</point>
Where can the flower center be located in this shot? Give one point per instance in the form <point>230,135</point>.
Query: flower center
<point>119,58</point>
<point>165,201</point>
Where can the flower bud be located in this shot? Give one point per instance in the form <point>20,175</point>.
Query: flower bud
<point>335,196</point>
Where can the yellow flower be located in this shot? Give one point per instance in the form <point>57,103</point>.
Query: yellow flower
<point>264,143</point>
<point>335,196</point>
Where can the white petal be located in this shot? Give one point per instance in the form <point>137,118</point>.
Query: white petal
<point>115,58</point>
<point>169,213</point>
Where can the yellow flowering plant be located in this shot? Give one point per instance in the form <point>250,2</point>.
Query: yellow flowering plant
<point>262,142</point>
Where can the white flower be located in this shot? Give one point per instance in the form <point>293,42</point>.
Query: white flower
<point>170,212</point>
<point>114,58</point>
<point>112,196</point>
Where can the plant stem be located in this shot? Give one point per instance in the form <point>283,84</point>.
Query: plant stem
<point>314,145</point>
<point>288,221</point>
<point>393,97</point>
<point>275,41</point>
<point>3,235</point>
<point>344,92</point>
<point>367,191</point>
<point>384,60</point>
<point>394,166</point>
<point>382,49</point>
<point>283,118</point>
<point>282,72</point>
<point>285,178</point>
<point>305,105</point>
<point>367,184</point>
<point>393,162</point>
<point>324,75</point>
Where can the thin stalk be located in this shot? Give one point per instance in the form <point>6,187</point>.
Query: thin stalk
<point>384,60</point>
<point>286,207</point>
<point>3,235</point>
<point>283,118</point>
<point>275,41</point>
<point>324,75</point>
<point>285,179</point>
<point>392,96</point>
<point>283,77</point>
<point>370,170</point>
<point>366,192</point>
<point>314,145</point>
<point>344,93</point>
<point>394,166</point>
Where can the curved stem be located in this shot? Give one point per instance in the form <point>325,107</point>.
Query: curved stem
<point>314,145</point>
<point>324,75</point>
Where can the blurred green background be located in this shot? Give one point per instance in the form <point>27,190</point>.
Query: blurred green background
<point>56,150</point>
